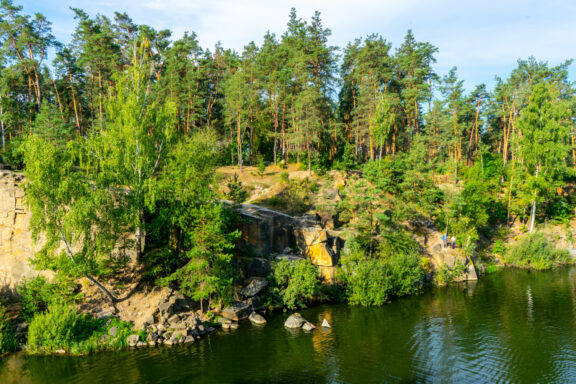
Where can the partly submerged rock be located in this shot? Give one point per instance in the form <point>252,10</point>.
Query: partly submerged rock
<point>294,321</point>
<point>308,326</point>
<point>256,318</point>
<point>326,324</point>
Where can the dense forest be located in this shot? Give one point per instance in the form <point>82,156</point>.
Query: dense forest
<point>126,108</point>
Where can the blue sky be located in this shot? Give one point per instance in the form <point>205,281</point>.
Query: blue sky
<point>482,38</point>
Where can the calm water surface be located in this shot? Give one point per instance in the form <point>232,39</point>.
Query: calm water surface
<point>515,326</point>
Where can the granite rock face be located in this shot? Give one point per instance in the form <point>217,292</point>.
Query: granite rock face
<point>16,244</point>
<point>265,231</point>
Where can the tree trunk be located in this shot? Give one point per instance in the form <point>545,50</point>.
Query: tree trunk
<point>239,141</point>
<point>3,131</point>
<point>533,210</point>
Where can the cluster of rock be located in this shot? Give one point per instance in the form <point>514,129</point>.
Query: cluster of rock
<point>174,322</point>
<point>297,321</point>
<point>248,307</point>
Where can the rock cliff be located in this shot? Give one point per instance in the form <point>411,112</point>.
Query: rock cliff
<point>16,245</point>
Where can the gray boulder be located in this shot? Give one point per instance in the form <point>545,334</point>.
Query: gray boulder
<point>132,340</point>
<point>237,311</point>
<point>308,326</point>
<point>254,288</point>
<point>166,309</point>
<point>294,321</point>
<point>326,324</point>
<point>257,318</point>
<point>113,331</point>
<point>173,320</point>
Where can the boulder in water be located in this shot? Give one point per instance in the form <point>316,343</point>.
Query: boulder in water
<point>257,318</point>
<point>308,326</point>
<point>326,324</point>
<point>294,321</point>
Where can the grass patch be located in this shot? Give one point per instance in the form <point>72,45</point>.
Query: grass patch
<point>536,251</point>
<point>61,327</point>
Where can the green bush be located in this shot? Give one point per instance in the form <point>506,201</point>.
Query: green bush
<point>499,248</point>
<point>536,251</point>
<point>293,283</point>
<point>38,293</point>
<point>367,281</point>
<point>375,281</point>
<point>8,342</point>
<point>54,329</point>
<point>261,166</point>
<point>62,327</point>
<point>443,275</point>
<point>406,274</point>
<point>236,192</point>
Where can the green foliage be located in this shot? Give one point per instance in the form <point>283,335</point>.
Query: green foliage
<point>537,252</point>
<point>38,293</point>
<point>61,327</point>
<point>293,283</point>
<point>348,160</point>
<point>236,192</point>
<point>204,270</point>
<point>55,329</point>
<point>367,281</point>
<point>8,341</point>
<point>374,281</point>
<point>499,248</point>
<point>261,166</point>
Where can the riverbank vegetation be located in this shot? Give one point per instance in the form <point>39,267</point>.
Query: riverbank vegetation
<point>122,136</point>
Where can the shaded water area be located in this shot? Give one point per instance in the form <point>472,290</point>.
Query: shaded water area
<point>514,326</point>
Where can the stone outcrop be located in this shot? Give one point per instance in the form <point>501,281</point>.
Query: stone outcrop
<point>254,287</point>
<point>16,245</point>
<point>237,311</point>
<point>265,231</point>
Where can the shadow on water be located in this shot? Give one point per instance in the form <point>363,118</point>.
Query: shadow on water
<point>515,326</point>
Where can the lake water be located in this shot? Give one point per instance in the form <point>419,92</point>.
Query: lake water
<point>515,326</point>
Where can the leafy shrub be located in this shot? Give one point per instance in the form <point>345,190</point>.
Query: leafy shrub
<point>443,275</point>
<point>293,283</point>
<point>8,342</point>
<point>261,166</point>
<point>38,293</point>
<point>236,192</point>
<point>284,177</point>
<point>275,201</point>
<point>375,281</point>
<point>499,248</point>
<point>536,251</point>
<point>62,327</point>
<point>367,282</point>
<point>406,274</point>
<point>54,329</point>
